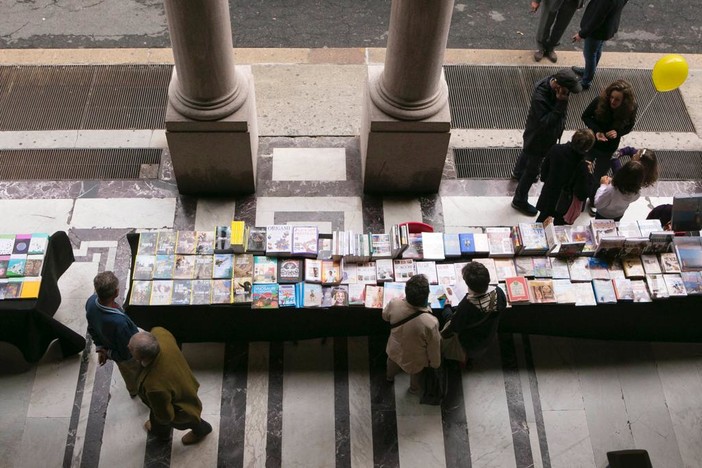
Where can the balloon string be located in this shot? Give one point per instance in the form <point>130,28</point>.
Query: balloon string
<point>640,116</point>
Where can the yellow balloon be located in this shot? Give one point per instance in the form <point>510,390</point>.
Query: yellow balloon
<point>669,72</point>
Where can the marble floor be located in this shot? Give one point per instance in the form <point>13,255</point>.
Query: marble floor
<point>531,401</point>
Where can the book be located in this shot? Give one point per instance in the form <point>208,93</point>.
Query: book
<point>21,244</point>
<point>221,291</point>
<point>659,242</point>
<point>147,243</point>
<point>256,243</point>
<point>599,268</point>
<point>541,291</point>
<point>500,241</point>
<point>669,263</point>
<point>437,296</point>
<point>433,246</point>
<point>357,294</point>
<point>161,291</point>
<point>578,269</point>
<point>182,292</point>
<point>542,267</point>
<point>366,273</point>
<point>392,290</point>
<point>415,247</point>
<point>504,268</point>
<point>583,234</point>
<point>533,238</point>
<point>164,266</point>
<point>633,268</point>
<point>166,243</point>
<point>349,273</point>
<point>403,269</point>
<point>286,295</point>
<point>202,291</point>
<point>204,242</point>
<point>635,246</point>
<point>38,243</point>
<point>628,229</point>
<point>313,270</point>
<point>223,239</point>
<point>446,273</point>
<point>603,228</point>
<point>331,271</point>
<point>428,269</point>
<point>203,267</point>
<point>616,269</point>
<point>650,264</point>
<point>647,226</point>
<point>324,246</point>
<point>242,271</point>
<point>623,289</point>
<point>610,247</point>
<point>264,296</point>
<point>305,241</point>
<point>461,286</point>
<point>30,287</point>
<point>689,252</point>
<point>34,264</point>
<point>559,268</point>
<point>686,212</point>
<point>222,265</point>
<point>517,289</point>
<point>238,236</point>
<point>692,281</point>
<point>482,244</point>
<point>290,270</point>
<point>381,246</point>
<point>584,294</point>
<point>466,243</point>
<point>674,284</point>
<point>489,263</point>
<point>374,297</point>
<point>604,291</point>
<point>340,296</point>
<point>7,241</point>
<point>278,239</point>
<point>384,270</point>
<point>143,267</point>
<point>311,294</point>
<point>184,267</point>
<point>140,293</point>
<point>452,245</point>
<point>524,266</point>
<point>560,241</point>
<point>640,291</point>
<point>656,286</point>
<point>185,243</point>
<point>10,288</point>
<point>564,291</point>
<point>265,269</point>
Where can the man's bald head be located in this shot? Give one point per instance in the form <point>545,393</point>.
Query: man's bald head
<point>144,347</point>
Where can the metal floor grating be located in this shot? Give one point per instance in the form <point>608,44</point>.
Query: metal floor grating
<point>80,164</point>
<point>497,163</point>
<point>498,97</point>
<point>83,97</point>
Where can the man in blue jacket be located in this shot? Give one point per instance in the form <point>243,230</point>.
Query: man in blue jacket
<point>599,23</point>
<point>111,329</point>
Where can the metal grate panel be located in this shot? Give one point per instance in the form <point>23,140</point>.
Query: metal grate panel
<point>70,164</point>
<point>497,163</point>
<point>498,97</point>
<point>83,97</point>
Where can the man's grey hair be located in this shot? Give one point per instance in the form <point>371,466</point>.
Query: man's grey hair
<point>145,345</point>
<point>106,285</point>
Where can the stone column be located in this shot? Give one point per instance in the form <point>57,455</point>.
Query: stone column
<point>406,119</point>
<point>211,114</point>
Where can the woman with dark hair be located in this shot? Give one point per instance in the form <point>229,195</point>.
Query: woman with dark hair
<point>610,116</point>
<point>616,193</point>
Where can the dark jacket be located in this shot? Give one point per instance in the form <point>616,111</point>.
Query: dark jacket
<point>546,119</point>
<point>601,19</point>
<point>561,162</point>
<point>110,328</point>
<point>596,125</point>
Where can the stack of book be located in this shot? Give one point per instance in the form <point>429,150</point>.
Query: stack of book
<point>21,264</point>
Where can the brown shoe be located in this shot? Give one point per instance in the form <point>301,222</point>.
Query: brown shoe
<point>190,438</point>
<point>551,54</point>
<point>538,55</point>
<point>147,425</point>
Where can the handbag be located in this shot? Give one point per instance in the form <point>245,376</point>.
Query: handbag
<point>451,349</point>
<point>565,199</point>
<point>435,385</point>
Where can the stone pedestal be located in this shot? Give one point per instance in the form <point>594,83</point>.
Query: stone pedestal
<point>402,156</point>
<point>216,157</point>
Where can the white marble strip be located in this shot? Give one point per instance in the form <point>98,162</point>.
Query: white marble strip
<point>15,392</point>
<point>361,420</point>
<point>400,210</point>
<point>111,257</point>
<point>256,405</point>
<point>85,408</point>
<point>82,251</point>
<point>52,139</point>
<point>214,212</point>
<point>487,414</point>
<point>568,439</point>
<point>76,286</point>
<point>527,397</point>
<point>266,207</point>
<point>54,386</point>
<point>43,442</point>
<point>308,436</point>
<point>206,361</point>
<point>27,216</point>
<point>124,213</point>
<point>325,164</point>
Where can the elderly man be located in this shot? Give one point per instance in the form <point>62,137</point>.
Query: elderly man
<point>111,329</point>
<point>415,342</point>
<point>167,386</point>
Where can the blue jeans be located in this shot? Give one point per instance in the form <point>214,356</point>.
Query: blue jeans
<point>592,51</point>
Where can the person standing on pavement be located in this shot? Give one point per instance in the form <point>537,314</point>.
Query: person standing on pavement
<point>610,116</point>
<point>414,342</point>
<point>543,129</point>
<point>553,21</point>
<point>616,193</point>
<point>168,387</point>
<point>111,329</point>
<point>599,23</point>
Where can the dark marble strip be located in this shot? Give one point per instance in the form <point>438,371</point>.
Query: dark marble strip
<point>184,219</point>
<point>536,402</point>
<point>342,414</point>
<point>453,420</point>
<point>274,439</point>
<point>515,402</point>
<point>158,451</point>
<point>373,216</point>
<point>385,447</point>
<point>245,210</point>
<point>77,403</point>
<point>96,416</point>
<point>432,212</point>
<point>233,408</point>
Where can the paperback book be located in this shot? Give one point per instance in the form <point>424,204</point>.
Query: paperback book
<point>7,241</point>
<point>674,284</point>
<point>381,246</point>
<point>500,241</point>
<point>161,292</point>
<point>542,267</point>
<point>633,268</point>
<point>692,281</point>
<point>331,271</point>
<point>669,263</point>
<point>140,293</point>
<point>311,294</point>
<point>384,270</point>
<point>446,273</point>
<point>222,265</point>
<point>340,296</point>
<point>313,270</point>
<point>504,268</point>
<point>147,243</point>
<point>564,291</point>
<point>203,267</point>
<point>415,247</point>
<point>650,264</point>
<point>286,295</point>
<point>290,270</point>
<point>433,246</point>
<point>542,291</point>
<point>452,245</point>
<point>204,242</point>
<point>34,265</point>
<point>16,265</point>
<point>305,241</point>
<point>517,290</point>
<point>256,243</point>
<point>278,239</point>
<point>184,267</point>
<point>599,268</point>
<point>657,287</point>
<point>604,292</point>
<point>185,243</point>
<point>640,291</point>
<point>578,267</point>
<point>166,243</point>
<point>392,291</point>
<point>623,289</point>
<point>264,296</point>
<point>38,243</point>
<point>374,297</point>
<point>182,292</point>
<point>524,266</point>
<point>221,291</point>
<point>265,269</point>
<point>357,294</point>
<point>223,240</point>
<point>164,266</point>
<point>403,269</point>
<point>202,291</point>
<point>584,294</point>
<point>428,269</point>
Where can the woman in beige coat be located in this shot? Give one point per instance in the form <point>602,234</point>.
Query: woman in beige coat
<point>416,343</point>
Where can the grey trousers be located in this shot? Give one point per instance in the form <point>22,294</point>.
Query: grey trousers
<point>553,21</point>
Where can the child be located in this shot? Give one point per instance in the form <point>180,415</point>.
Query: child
<point>645,156</point>
<point>616,193</point>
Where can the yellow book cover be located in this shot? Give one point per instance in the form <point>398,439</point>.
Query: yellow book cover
<point>30,288</point>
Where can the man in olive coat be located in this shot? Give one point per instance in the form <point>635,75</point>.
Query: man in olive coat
<point>167,386</point>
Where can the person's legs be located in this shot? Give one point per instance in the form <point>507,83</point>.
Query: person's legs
<point>519,166</point>
<point>130,371</point>
<point>546,20</point>
<point>198,430</point>
<point>415,383</point>
<point>392,369</point>
<point>521,194</point>
<point>563,16</point>
<point>592,51</point>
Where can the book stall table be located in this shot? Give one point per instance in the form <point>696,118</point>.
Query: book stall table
<point>29,324</point>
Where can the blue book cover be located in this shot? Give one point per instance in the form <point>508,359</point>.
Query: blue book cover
<point>467,242</point>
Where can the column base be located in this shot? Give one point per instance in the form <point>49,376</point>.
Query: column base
<point>402,157</point>
<point>215,158</point>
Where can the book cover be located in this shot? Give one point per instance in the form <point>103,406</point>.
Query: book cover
<point>503,287</point>
<point>38,243</point>
<point>161,291</point>
<point>30,287</point>
<point>340,296</point>
<point>446,273</point>
<point>238,236</point>
<point>437,296</point>
<point>640,291</point>
<point>326,296</point>
<point>433,246</point>
<point>7,241</point>
<point>305,241</point>
<point>164,265</point>
<point>517,289</point>
<point>584,294</point>
<point>427,269</point>
<point>324,247</point>
<point>203,267</point>
<point>500,241</point>
<point>21,245</point>
<point>349,273</point>
<point>384,270</point>
<point>578,269</point>
<point>656,286</point>
<point>223,239</point>
<point>466,243</point>
<point>659,242</point>
<point>144,267</point>
<point>221,291</point>
<point>616,269</point>
<point>599,268</point>
<point>564,291</point>
<point>312,295</point>
<point>34,265</point>
<point>331,271</point>
<point>10,288</point>
<point>689,252</point>
<point>140,293</point>
<point>603,228</point>
<point>278,239</point>
<point>541,291</point>
<point>482,244</point>
<point>580,234</point>
<point>415,247</point>
<point>634,246</point>
<point>504,267</point>
<point>604,291</point>
<point>542,267</point>
<point>265,269</point>
<point>147,243</point>
<point>392,291</point>
<point>403,269</point>
<point>647,226</point>
<point>610,247</point>
<point>524,266</point>
<point>452,245</point>
<point>675,285</point>
<point>374,297</point>
<point>460,285</point>
<point>264,296</point>
<point>222,265</point>
<point>628,229</point>
<point>357,294</point>
<point>650,264</point>
<point>243,266</point>
<point>490,265</point>
<point>204,242</point>
<point>559,268</point>
<point>241,289</point>
<point>533,238</point>
<point>185,243</point>
<point>313,270</point>
<point>182,292</point>
<point>692,281</point>
<point>256,243</point>
<point>623,289</point>
<point>184,267</point>
<point>286,295</point>
<point>290,270</point>
<point>202,291</point>
<point>633,268</point>
<point>669,263</point>
<point>381,246</point>
<point>166,243</point>
<point>367,273</point>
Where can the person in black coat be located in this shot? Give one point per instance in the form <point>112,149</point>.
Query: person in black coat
<point>565,164</point>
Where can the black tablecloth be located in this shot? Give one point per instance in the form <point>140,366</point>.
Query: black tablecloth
<point>675,319</point>
<point>29,323</point>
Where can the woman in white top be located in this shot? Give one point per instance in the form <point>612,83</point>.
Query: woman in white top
<point>616,193</point>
